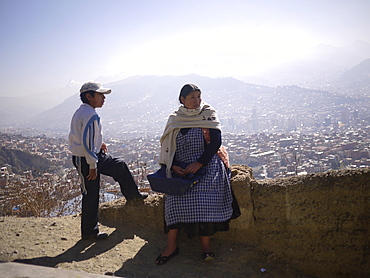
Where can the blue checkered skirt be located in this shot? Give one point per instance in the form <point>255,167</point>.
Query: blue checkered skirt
<point>210,200</point>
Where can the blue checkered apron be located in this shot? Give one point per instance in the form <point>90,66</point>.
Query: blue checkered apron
<point>210,199</point>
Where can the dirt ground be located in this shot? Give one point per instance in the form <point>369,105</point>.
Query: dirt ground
<point>55,242</point>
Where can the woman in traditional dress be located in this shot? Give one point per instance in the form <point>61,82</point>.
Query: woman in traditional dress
<point>205,208</point>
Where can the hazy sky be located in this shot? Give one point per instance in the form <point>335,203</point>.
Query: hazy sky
<point>46,43</point>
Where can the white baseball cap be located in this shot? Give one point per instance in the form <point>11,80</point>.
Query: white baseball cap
<point>95,87</point>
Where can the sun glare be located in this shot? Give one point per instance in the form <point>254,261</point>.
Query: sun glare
<point>221,51</point>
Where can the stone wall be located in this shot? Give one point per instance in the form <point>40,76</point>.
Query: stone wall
<point>320,223</point>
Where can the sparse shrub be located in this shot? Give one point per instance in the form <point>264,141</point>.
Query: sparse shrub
<point>49,195</point>
<point>42,196</point>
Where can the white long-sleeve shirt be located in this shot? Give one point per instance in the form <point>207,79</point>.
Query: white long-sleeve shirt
<point>85,137</point>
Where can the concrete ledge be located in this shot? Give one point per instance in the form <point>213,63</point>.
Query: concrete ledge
<point>318,222</point>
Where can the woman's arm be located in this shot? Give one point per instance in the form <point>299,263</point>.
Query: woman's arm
<point>211,149</point>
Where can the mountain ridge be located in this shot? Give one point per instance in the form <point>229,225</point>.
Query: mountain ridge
<point>22,161</point>
<point>142,103</point>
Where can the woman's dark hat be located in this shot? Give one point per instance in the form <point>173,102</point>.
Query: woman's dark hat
<point>187,89</point>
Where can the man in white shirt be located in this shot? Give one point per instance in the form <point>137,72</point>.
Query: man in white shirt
<point>91,159</point>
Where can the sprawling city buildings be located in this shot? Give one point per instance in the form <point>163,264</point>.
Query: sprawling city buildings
<point>271,155</point>
<point>274,139</point>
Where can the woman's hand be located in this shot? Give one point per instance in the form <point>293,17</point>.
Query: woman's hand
<point>178,170</point>
<point>193,167</point>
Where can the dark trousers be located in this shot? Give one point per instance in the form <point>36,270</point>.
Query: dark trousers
<point>113,167</point>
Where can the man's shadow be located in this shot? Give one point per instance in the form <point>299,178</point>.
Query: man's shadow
<point>82,250</point>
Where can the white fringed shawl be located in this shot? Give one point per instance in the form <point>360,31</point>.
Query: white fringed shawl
<point>205,117</point>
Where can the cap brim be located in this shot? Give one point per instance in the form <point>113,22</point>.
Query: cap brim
<point>104,91</point>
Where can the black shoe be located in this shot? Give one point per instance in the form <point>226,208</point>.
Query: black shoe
<point>208,256</point>
<point>142,196</point>
<point>100,236</point>
<point>164,259</point>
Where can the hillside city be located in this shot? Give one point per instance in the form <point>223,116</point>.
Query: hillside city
<point>284,132</point>
<point>271,155</point>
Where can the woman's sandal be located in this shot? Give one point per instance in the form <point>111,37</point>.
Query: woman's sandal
<point>164,259</point>
<point>208,256</point>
